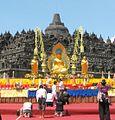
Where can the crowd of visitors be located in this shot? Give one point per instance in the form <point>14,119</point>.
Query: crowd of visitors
<point>45,97</point>
<point>58,96</point>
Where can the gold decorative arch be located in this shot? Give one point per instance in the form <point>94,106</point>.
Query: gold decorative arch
<point>58,46</point>
<point>65,58</point>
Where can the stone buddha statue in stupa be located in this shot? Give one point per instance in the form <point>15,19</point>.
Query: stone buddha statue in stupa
<point>58,66</point>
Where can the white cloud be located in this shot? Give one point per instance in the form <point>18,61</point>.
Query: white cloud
<point>112,39</point>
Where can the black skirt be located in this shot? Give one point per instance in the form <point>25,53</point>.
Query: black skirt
<point>59,106</point>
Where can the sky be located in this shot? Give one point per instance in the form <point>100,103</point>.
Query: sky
<point>96,16</point>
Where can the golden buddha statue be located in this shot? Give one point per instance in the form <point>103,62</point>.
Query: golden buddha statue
<point>84,66</point>
<point>58,66</point>
<point>34,66</point>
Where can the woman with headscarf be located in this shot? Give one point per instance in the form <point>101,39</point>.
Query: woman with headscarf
<point>103,100</point>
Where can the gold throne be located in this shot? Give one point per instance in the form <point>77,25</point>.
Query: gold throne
<point>58,62</point>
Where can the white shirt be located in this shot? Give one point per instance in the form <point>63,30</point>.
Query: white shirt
<point>50,97</point>
<point>54,89</point>
<point>41,93</point>
<point>61,85</point>
<point>27,105</point>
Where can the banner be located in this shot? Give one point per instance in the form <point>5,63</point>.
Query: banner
<point>14,93</point>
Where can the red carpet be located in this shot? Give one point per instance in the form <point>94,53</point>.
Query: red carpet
<point>87,111</point>
<point>51,117</point>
